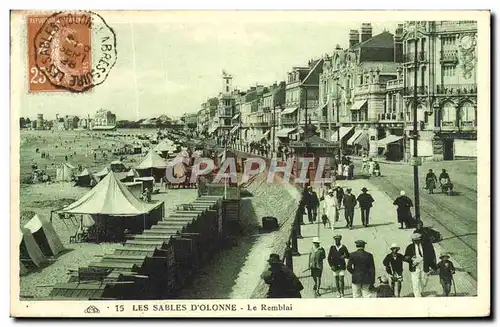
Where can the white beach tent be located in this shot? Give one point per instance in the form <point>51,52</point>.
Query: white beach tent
<point>44,234</point>
<point>29,249</point>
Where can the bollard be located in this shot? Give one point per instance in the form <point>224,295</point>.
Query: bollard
<point>289,256</point>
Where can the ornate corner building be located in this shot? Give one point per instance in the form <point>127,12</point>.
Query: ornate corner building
<point>446,53</point>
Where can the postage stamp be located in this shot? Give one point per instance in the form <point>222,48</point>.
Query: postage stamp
<point>73,51</point>
<point>250,164</point>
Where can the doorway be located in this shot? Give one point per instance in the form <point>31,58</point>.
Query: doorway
<point>448,149</point>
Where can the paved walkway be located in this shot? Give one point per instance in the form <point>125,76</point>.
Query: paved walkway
<point>382,232</point>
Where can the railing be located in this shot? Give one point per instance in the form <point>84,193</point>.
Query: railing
<point>467,125</point>
<point>456,89</point>
<point>410,56</point>
<point>225,113</point>
<point>448,125</point>
<point>395,84</point>
<point>289,121</point>
<point>391,116</point>
<point>449,56</point>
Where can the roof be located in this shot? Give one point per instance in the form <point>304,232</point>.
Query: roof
<point>85,172</point>
<point>103,172</point>
<point>382,40</point>
<point>152,160</point>
<point>165,145</point>
<point>109,197</point>
<point>315,65</point>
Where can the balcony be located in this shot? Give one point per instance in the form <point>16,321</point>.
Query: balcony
<point>456,89</point>
<point>225,113</point>
<point>410,57</point>
<point>289,121</point>
<point>449,56</point>
<point>467,125</point>
<point>421,90</point>
<point>391,117</point>
<point>395,84</point>
<point>448,125</point>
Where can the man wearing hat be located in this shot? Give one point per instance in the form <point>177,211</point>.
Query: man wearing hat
<point>419,260</point>
<point>283,283</point>
<point>312,203</point>
<point>365,201</point>
<point>337,256</point>
<point>330,208</point>
<point>362,268</point>
<point>349,204</point>
<point>316,257</point>
<point>446,270</point>
<point>393,263</point>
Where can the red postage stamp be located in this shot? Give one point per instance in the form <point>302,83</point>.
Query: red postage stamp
<point>72,51</point>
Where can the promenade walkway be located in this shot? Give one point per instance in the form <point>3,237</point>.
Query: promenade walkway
<point>382,232</point>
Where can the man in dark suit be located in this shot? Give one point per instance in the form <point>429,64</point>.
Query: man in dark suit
<point>349,204</point>
<point>365,201</point>
<point>362,268</point>
<point>312,203</point>
<point>420,260</point>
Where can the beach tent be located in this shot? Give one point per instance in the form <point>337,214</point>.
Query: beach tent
<point>129,176</point>
<point>164,147</point>
<point>117,166</point>
<point>152,165</point>
<point>114,209</point>
<point>29,250</point>
<point>85,178</point>
<point>65,172</point>
<point>45,236</point>
<point>100,175</point>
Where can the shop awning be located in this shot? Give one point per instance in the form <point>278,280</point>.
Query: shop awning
<point>344,130</point>
<point>363,140</point>
<point>285,132</point>
<point>265,135</point>
<point>354,137</point>
<point>234,129</point>
<point>289,110</point>
<point>358,105</point>
<point>236,116</point>
<point>389,139</point>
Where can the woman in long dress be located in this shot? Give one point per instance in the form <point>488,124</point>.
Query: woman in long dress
<point>330,207</point>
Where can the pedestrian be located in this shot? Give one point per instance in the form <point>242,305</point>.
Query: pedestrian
<point>283,284</point>
<point>419,261</point>
<point>339,193</point>
<point>312,203</point>
<point>430,181</point>
<point>362,268</point>
<point>337,257</point>
<point>384,290</point>
<point>404,210</point>
<point>364,165</point>
<point>446,270</point>
<point>349,204</point>
<point>365,201</point>
<point>393,263</point>
<point>330,208</point>
<point>316,257</point>
<point>350,170</point>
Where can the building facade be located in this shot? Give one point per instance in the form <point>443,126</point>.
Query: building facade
<point>446,86</point>
<point>104,117</point>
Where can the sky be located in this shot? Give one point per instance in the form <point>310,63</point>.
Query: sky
<point>170,64</point>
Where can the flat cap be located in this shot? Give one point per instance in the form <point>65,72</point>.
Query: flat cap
<point>360,243</point>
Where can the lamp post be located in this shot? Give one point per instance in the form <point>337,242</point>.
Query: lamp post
<point>337,104</point>
<point>415,160</point>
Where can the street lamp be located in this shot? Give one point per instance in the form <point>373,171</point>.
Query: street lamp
<point>415,161</point>
<point>337,104</point>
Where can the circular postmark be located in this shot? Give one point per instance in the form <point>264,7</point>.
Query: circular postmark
<point>75,50</point>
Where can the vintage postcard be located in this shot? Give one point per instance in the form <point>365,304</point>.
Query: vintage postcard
<point>250,164</point>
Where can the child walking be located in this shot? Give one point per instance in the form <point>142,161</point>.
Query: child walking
<point>446,271</point>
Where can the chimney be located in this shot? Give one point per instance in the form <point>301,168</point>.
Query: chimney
<point>366,31</point>
<point>398,44</point>
<point>353,38</point>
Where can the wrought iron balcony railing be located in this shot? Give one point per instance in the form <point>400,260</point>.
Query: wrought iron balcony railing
<point>456,89</point>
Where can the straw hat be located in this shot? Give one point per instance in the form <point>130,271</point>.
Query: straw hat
<point>444,255</point>
<point>394,246</point>
<point>337,237</point>
<point>316,240</point>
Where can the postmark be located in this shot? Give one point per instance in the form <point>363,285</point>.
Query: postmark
<point>75,50</point>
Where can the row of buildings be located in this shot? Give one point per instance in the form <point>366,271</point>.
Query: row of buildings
<point>102,119</point>
<point>363,93</point>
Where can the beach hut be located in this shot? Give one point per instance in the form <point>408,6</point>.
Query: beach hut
<point>30,252</point>
<point>114,209</point>
<point>86,179</point>
<point>131,174</point>
<point>65,172</point>
<point>44,235</point>
<point>152,165</point>
<point>117,166</point>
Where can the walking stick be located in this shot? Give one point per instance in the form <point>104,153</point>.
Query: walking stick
<point>454,285</point>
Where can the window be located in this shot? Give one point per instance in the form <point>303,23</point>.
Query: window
<point>467,112</point>
<point>448,71</point>
<point>449,112</point>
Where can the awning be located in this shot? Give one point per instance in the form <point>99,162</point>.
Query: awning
<point>344,130</point>
<point>285,131</point>
<point>389,139</point>
<point>363,140</point>
<point>234,129</point>
<point>236,116</point>
<point>288,111</point>
<point>265,135</point>
<point>358,104</point>
<point>354,137</point>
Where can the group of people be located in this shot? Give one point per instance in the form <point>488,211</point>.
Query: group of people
<point>431,181</point>
<point>331,202</point>
<point>370,166</point>
<point>419,256</point>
